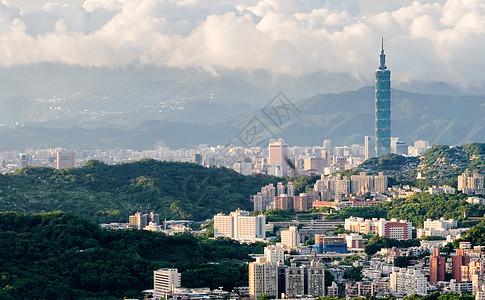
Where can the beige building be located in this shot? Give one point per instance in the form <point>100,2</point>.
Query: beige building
<point>65,160</point>
<point>471,184</point>
<point>239,225</point>
<point>290,238</point>
<point>263,278</point>
<point>140,220</point>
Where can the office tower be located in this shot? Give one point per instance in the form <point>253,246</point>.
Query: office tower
<point>327,145</point>
<point>263,278</point>
<point>369,147</point>
<point>165,281</point>
<point>278,154</point>
<point>290,238</point>
<point>401,148</point>
<point>315,163</point>
<point>383,106</point>
<point>197,158</point>
<point>437,267</point>
<point>65,160</point>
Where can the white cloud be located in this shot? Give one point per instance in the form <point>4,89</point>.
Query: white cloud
<point>422,40</point>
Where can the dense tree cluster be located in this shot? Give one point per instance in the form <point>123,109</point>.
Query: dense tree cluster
<point>376,243</point>
<point>57,255</point>
<point>104,193</point>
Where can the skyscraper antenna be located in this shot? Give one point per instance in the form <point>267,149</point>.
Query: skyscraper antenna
<point>382,44</point>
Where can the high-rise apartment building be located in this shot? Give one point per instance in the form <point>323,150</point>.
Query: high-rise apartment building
<point>457,261</point>
<point>278,154</point>
<point>65,160</point>
<point>315,279</point>
<point>140,220</point>
<point>383,106</point>
<point>283,202</point>
<point>437,267</point>
<point>263,278</point>
<point>295,281</point>
<point>405,282</point>
<point>302,202</point>
<point>274,254</point>
<point>165,281</point>
<point>290,238</point>
<point>471,184</point>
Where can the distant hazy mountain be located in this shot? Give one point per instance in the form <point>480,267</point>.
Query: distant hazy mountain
<point>343,117</point>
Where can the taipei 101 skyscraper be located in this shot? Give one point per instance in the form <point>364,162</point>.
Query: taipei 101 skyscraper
<point>383,106</point>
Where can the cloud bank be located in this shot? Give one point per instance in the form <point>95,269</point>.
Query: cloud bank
<point>423,41</point>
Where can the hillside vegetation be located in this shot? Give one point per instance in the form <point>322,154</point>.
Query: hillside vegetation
<point>441,164</point>
<point>103,193</point>
<point>60,256</point>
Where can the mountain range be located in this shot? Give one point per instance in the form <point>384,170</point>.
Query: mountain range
<point>136,109</point>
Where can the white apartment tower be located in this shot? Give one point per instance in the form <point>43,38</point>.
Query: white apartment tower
<point>164,281</point>
<point>405,282</point>
<point>239,225</point>
<point>274,254</point>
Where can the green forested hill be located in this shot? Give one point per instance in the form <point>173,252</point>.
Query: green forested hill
<point>103,193</point>
<point>440,164</point>
<point>60,256</point>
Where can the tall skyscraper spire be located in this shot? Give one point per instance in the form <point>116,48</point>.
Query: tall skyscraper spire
<point>383,106</point>
<point>382,57</point>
